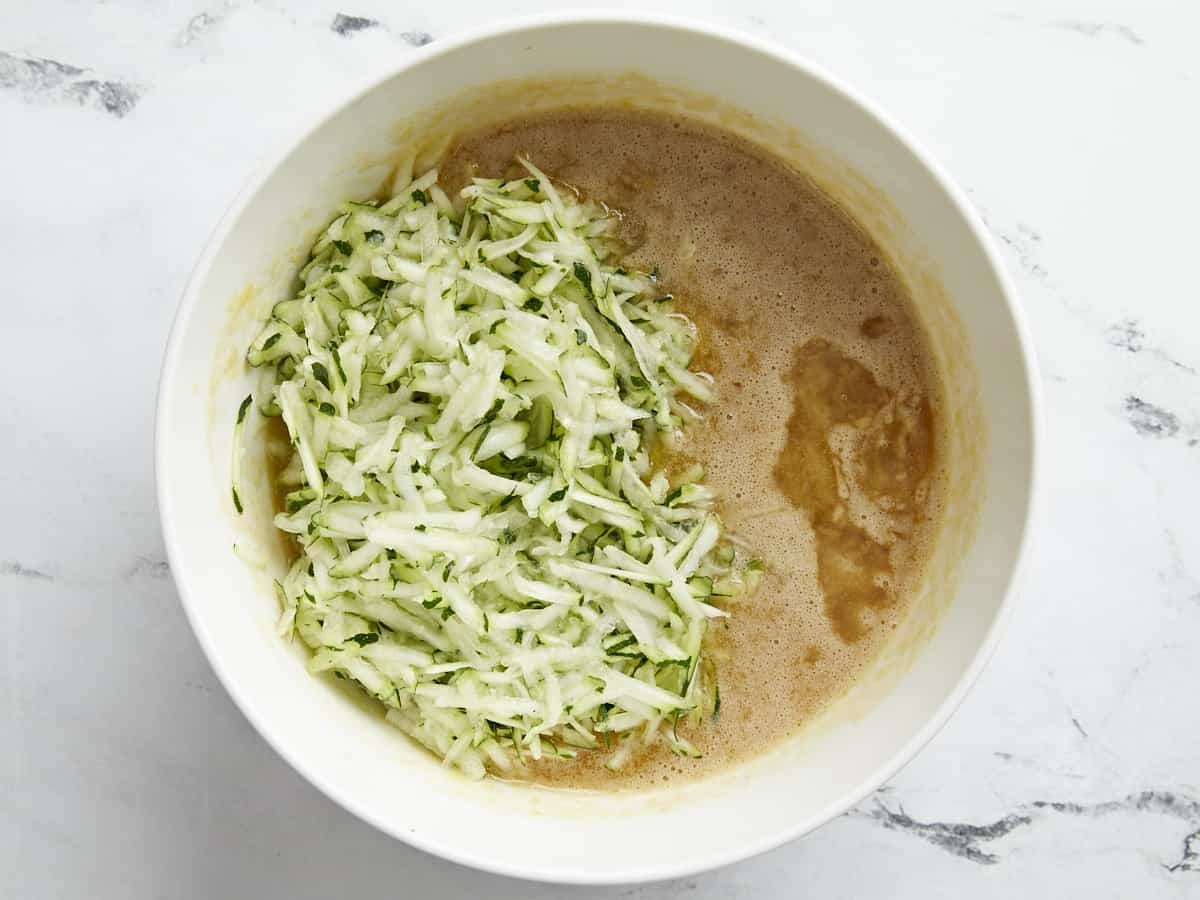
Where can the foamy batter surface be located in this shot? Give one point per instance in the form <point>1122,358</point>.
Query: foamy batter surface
<point>822,442</point>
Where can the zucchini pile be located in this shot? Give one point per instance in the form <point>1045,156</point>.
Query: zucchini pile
<point>472,389</point>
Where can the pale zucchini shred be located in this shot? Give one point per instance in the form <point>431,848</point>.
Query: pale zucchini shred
<point>482,543</point>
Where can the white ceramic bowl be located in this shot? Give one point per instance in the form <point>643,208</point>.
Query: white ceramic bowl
<point>863,160</point>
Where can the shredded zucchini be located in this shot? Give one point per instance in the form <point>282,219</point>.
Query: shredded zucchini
<point>471,390</point>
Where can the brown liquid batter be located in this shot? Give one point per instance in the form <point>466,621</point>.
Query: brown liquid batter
<point>822,443</point>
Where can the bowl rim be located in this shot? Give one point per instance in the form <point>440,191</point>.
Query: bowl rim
<point>297,135</point>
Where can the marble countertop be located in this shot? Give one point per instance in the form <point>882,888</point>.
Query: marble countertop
<point>1073,768</point>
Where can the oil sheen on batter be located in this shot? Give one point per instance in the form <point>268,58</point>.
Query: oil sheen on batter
<point>823,443</point>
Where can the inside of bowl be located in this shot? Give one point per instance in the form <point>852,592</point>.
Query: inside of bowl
<point>341,742</point>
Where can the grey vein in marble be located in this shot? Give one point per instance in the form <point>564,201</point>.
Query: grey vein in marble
<point>969,841</point>
<point>1100,29</point>
<point>1162,803</point>
<point>1149,420</point>
<point>51,81</point>
<point>17,570</point>
<point>207,20</point>
<point>347,26</point>
<point>197,26</point>
<point>1023,242</point>
<point>149,567</point>
<point>1179,573</point>
<point>1127,335</point>
<point>957,838</point>
<point>1190,861</point>
<point>1038,764</point>
<point>662,890</point>
<point>417,38</point>
<point>1082,27</point>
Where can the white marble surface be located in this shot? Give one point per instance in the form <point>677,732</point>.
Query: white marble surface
<point>1074,767</point>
